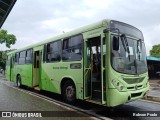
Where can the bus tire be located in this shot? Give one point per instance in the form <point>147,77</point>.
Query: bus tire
<point>69,92</point>
<point>18,81</point>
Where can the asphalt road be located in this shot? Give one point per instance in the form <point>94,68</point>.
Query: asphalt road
<point>155,91</point>
<point>13,99</point>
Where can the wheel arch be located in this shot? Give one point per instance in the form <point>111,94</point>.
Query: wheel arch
<point>18,81</point>
<point>64,80</point>
<point>17,76</point>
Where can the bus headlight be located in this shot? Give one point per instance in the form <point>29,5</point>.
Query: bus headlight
<point>121,88</point>
<point>118,85</point>
<point>113,81</point>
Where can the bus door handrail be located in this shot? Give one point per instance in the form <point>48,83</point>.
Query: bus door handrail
<point>91,64</point>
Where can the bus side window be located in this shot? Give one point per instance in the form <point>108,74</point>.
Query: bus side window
<point>8,61</point>
<point>48,58</point>
<point>44,54</point>
<point>16,58</point>
<point>54,51</point>
<point>29,56</point>
<point>72,48</point>
<point>22,56</point>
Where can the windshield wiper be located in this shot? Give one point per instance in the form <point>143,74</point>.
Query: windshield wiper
<point>125,45</point>
<point>139,50</point>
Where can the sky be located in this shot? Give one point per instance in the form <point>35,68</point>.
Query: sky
<point>32,21</point>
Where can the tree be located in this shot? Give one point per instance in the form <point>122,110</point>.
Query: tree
<point>4,57</point>
<point>8,39</point>
<point>155,52</point>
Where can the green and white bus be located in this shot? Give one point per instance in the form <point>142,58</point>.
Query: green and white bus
<point>104,63</point>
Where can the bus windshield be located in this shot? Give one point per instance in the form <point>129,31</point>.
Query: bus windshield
<point>126,29</point>
<point>130,58</point>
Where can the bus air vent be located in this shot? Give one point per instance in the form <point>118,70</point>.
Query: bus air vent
<point>130,88</point>
<point>136,94</point>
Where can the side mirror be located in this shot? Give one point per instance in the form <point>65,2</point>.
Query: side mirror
<point>115,44</point>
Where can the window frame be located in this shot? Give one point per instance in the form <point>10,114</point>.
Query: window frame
<point>16,60</point>
<point>8,61</point>
<point>46,51</point>
<point>31,61</point>
<point>17,54</point>
<point>22,57</point>
<point>82,46</point>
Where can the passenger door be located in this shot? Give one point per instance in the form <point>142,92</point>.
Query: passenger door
<point>36,67</point>
<point>94,74</point>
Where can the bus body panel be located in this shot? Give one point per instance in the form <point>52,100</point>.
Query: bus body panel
<point>53,73</point>
<point>7,72</point>
<point>49,75</point>
<point>25,72</point>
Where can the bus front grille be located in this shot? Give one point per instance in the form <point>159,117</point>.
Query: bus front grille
<point>130,88</point>
<point>136,94</point>
<point>133,80</point>
<point>134,88</point>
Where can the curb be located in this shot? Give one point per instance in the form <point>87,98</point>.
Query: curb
<point>152,98</point>
<point>154,85</point>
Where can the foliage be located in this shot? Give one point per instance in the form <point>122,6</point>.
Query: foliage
<point>8,39</point>
<point>4,57</point>
<point>155,52</point>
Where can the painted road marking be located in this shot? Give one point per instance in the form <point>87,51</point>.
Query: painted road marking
<point>150,101</point>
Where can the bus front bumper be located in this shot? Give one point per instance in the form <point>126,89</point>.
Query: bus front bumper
<point>117,98</point>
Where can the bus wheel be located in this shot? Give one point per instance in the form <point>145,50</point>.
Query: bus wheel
<point>69,92</point>
<point>18,81</point>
